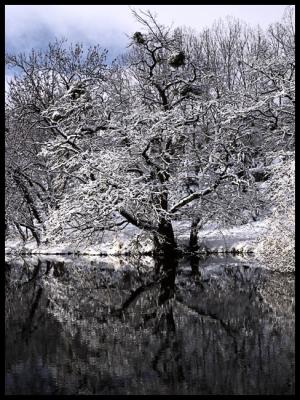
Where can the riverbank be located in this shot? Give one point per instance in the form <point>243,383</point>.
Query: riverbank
<point>212,240</point>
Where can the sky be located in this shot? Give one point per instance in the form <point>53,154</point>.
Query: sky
<point>33,26</point>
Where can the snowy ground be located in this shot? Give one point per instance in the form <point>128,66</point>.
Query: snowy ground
<point>212,239</point>
<point>240,239</point>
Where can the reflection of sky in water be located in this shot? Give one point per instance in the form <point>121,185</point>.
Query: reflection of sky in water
<point>86,328</point>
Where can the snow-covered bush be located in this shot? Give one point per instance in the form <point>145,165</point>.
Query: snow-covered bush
<point>277,248</point>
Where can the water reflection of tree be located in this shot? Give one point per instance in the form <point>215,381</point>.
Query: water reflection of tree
<point>115,322</point>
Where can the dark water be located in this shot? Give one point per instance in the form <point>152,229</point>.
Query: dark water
<point>93,326</point>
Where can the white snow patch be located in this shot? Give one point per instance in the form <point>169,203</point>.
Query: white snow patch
<point>211,239</point>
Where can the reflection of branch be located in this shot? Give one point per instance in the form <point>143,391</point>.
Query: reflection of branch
<point>204,313</point>
<point>170,343</point>
<point>27,325</point>
<point>34,274</point>
<point>133,297</point>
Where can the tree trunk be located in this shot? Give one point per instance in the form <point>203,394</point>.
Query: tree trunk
<point>164,240</point>
<point>34,232</point>
<point>20,231</point>
<point>193,244</point>
<point>36,236</point>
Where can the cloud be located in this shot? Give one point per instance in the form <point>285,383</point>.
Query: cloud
<point>28,26</point>
<point>33,26</point>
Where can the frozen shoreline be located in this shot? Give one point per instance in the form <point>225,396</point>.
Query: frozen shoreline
<point>212,240</point>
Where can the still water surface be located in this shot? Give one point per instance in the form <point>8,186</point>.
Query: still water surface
<point>121,327</point>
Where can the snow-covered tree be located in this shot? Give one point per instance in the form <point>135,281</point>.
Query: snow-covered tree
<point>181,127</point>
<point>277,247</point>
<point>40,78</point>
<point>144,156</point>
